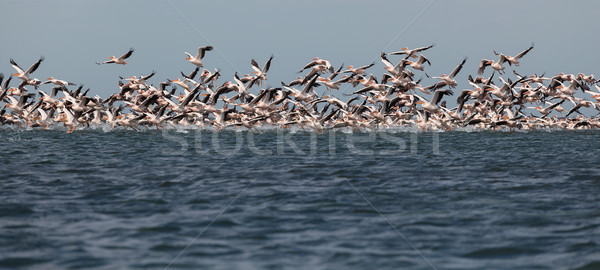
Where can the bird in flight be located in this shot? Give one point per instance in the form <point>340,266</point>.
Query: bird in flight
<point>120,60</point>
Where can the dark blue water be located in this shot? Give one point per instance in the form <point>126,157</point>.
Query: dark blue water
<point>154,200</point>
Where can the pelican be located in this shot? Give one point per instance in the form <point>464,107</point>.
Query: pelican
<point>359,70</point>
<point>197,60</point>
<point>547,110</point>
<point>515,60</point>
<point>334,84</point>
<point>419,64</point>
<point>120,60</point>
<point>495,65</point>
<point>449,80</point>
<point>411,53</point>
<point>431,106</point>
<point>24,75</point>
<point>261,74</point>
<point>52,80</point>
<point>317,61</point>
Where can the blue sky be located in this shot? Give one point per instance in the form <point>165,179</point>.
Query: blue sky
<point>73,35</point>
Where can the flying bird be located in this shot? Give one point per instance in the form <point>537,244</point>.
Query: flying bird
<point>120,60</point>
<point>197,60</point>
<point>24,75</point>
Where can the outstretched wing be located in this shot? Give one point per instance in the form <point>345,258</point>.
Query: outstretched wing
<point>523,53</point>
<point>458,68</point>
<point>35,66</point>
<point>202,50</point>
<point>267,64</point>
<point>17,67</point>
<point>127,54</point>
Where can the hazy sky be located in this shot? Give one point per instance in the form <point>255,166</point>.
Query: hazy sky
<point>73,35</point>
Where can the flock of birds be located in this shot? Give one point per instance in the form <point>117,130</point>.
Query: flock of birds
<point>396,99</point>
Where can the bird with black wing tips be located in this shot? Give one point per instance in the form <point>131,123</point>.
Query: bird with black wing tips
<point>24,75</point>
<point>515,60</point>
<point>411,53</point>
<point>358,70</point>
<point>118,60</point>
<point>431,106</point>
<point>197,60</point>
<point>260,73</point>
<point>449,79</point>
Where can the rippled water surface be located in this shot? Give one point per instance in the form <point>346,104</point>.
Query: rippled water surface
<point>299,200</point>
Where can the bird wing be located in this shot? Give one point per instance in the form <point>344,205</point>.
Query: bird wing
<point>149,76</point>
<point>239,83</point>
<point>458,68</point>
<point>423,48</point>
<point>398,52</point>
<point>439,94</point>
<point>521,54</point>
<point>309,85</point>
<point>309,65</point>
<point>484,63</point>
<point>335,73</point>
<point>422,60</point>
<point>255,65</point>
<point>363,90</point>
<point>367,66</point>
<point>386,61</point>
<point>202,50</point>
<point>127,54</point>
<point>17,67</point>
<point>502,59</point>
<point>105,62</point>
<point>267,65</point>
<point>35,66</point>
<point>574,109</point>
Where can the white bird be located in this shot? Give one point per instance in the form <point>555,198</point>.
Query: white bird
<point>411,53</point>
<point>431,106</point>
<point>52,80</point>
<point>24,75</point>
<point>449,80</point>
<point>419,64</point>
<point>515,60</point>
<point>120,60</point>
<point>261,74</point>
<point>197,60</point>
<point>495,65</point>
